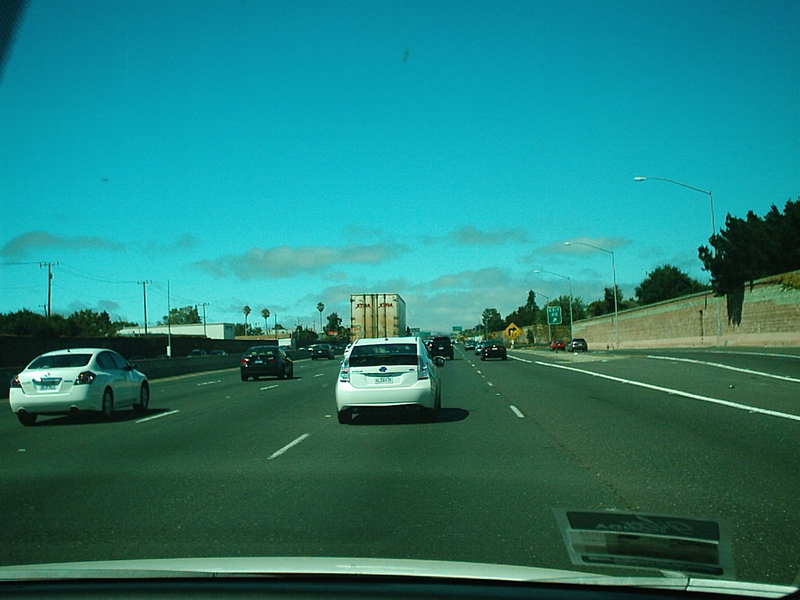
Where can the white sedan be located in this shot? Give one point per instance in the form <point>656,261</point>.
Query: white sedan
<point>77,379</point>
<point>385,372</point>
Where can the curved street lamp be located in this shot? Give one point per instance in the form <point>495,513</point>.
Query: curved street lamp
<point>713,226</point>
<point>691,187</point>
<point>613,276</point>
<point>569,281</point>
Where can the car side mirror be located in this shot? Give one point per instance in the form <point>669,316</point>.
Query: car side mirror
<point>439,361</point>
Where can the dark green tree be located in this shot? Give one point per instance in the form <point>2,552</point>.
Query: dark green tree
<point>32,324</point>
<point>88,323</point>
<point>525,314</point>
<point>752,248</point>
<point>334,324</point>
<point>666,282</point>
<point>605,306</point>
<point>491,321</point>
<point>182,316</point>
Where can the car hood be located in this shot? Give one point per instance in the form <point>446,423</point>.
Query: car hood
<point>326,566</point>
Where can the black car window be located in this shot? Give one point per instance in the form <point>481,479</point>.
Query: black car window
<point>263,351</point>
<point>60,361</point>
<point>119,362</point>
<point>106,362</point>
<point>384,354</point>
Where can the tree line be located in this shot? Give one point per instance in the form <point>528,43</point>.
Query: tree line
<point>744,250</point>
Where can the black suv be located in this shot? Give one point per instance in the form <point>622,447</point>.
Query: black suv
<point>441,346</point>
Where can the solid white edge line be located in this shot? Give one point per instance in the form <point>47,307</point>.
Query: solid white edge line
<point>288,446</point>
<point>750,409</point>
<point>530,362</point>
<point>158,416</point>
<point>728,367</point>
<point>517,411</point>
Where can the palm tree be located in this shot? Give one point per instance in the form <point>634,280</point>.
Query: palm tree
<point>265,314</point>
<point>246,311</point>
<point>320,308</point>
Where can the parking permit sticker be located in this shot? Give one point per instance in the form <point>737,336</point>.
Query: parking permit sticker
<point>691,546</point>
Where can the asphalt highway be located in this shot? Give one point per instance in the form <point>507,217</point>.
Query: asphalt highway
<point>221,467</point>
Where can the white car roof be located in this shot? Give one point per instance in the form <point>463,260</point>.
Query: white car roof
<point>386,340</point>
<point>75,351</point>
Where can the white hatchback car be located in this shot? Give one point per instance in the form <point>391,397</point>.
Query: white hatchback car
<point>67,381</point>
<point>386,372</point>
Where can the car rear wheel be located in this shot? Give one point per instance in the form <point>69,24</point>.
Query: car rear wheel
<point>345,416</point>
<point>144,399</point>
<point>26,418</point>
<point>108,404</point>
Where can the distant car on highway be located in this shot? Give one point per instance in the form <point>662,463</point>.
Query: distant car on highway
<point>469,344</point>
<point>387,372</point>
<point>321,351</point>
<point>263,361</point>
<point>494,349</point>
<point>558,345</point>
<point>577,345</point>
<point>77,379</point>
<point>217,353</point>
<point>441,345</point>
<point>479,347</point>
<point>197,352</point>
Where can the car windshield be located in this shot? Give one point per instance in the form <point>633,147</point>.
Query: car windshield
<point>510,282</point>
<point>60,361</point>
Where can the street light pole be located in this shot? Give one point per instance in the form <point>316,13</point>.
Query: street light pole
<point>144,295</point>
<point>613,276</point>
<point>691,187</point>
<point>713,226</point>
<point>547,302</point>
<point>569,281</point>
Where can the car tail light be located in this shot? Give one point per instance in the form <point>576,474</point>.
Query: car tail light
<point>344,372</point>
<point>422,370</point>
<point>85,378</point>
<point>15,383</point>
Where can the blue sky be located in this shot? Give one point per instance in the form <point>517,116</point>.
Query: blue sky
<point>281,154</point>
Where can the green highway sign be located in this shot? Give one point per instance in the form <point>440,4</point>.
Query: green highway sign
<point>554,315</point>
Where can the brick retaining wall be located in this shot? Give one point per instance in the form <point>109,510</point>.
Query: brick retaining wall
<point>766,315</point>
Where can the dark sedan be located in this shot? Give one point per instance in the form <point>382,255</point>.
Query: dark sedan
<point>494,349</point>
<point>262,361</point>
<point>321,351</point>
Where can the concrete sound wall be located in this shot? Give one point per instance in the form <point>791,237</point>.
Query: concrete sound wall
<point>765,314</point>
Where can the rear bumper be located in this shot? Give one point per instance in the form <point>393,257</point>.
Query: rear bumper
<point>86,398</point>
<point>420,394</point>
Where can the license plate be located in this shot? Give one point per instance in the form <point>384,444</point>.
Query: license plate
<point>48,388</point>
<point>383,380</point>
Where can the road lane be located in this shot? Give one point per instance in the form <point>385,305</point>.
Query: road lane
<point>668,454</point>
<point>244,470</point>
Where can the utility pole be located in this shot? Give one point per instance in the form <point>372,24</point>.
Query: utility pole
<point>169,322</point>
<point>204,304</point>
<point>49,266</point>
<point>144,294</point>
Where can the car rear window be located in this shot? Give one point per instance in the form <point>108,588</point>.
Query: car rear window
<point>384,354</point>
<point>60,361</point>
<point>262,352</point>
